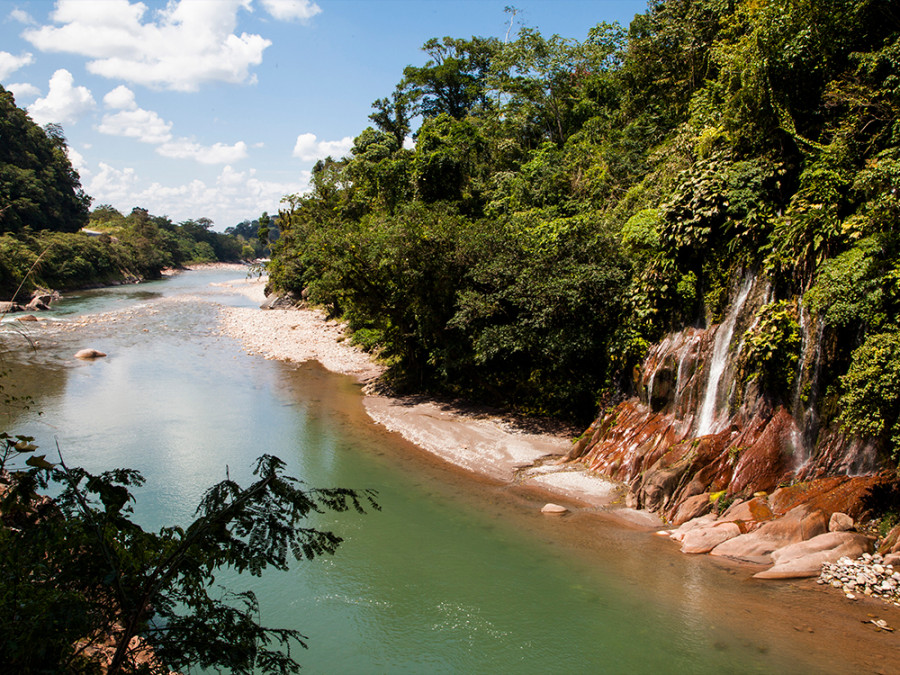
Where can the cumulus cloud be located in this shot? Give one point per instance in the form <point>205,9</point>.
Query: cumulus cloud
<point>23,90</point>
<point>289,10</point>
<point>219,153</point>
<point>121,98</point>
<point>179,47</point>
<point>22,16</point>
<point>132,121</point>
<point>308,148</point>
<point>144,125</point>
<point>76,159</point>
<point>10,63</point>
<point>234,196</point>
<point>111,186</point>
<point>64,103</point>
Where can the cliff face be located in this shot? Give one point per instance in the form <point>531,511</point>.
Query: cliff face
<point>696,428</point>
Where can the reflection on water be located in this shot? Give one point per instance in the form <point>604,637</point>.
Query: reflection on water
<point>453,575</point>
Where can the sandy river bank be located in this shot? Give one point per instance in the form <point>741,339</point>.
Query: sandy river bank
<point>485,442</point>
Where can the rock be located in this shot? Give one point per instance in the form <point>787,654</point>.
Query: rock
<point>703,521</point>
<point>554,509</point>
<point>703,540</point>
<point>27,317</point>
<point>36,305</point>
<point>89,354</point>
<point>9,307</point>
<point>840,522</point>
<point>798,524</point>
<point>805,558</point>
<point>892,559</point>
<point>891,541</point>
<point>691,508</point>
<point>286,301</point>
<point>753,510</point>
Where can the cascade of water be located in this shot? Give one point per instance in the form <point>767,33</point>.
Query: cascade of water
<point>707,416</point>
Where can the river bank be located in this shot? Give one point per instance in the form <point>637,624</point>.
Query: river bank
<point>486,442</point>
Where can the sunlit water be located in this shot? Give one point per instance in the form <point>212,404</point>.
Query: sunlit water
<point>453,575</point>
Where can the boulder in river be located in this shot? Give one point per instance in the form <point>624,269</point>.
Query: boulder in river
<point>89,354</point>
<point>554,509</point>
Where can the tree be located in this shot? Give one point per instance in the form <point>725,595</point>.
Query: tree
<point>81,580</point>
<point>453,80</point>
<point>38,186</point>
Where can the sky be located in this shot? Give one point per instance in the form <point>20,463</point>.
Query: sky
<point>219,108</point>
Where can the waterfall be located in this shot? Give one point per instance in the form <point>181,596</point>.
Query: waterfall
<point>719,360</point>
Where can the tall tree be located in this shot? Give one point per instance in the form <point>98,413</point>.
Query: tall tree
<point>39,188</point>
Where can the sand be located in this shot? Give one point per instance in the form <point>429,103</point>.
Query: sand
<point>488,443</point>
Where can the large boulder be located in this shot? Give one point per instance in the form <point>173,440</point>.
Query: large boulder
<point>805,558</point>
<point>798,524</point>
<point>9,307</point>
<point>287,301</point>
<point>692,507</point>
<point>705,539</point>
<point>681,531</point>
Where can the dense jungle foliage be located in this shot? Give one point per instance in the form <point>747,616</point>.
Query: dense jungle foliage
<point>565,203</point>
<point>43,210</point>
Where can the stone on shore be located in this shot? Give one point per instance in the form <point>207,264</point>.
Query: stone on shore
<point>705,539</point>
<point>27,317</point>
<point>9,307</point>
<point>88,354</point>
<point>692,507</point>
<point>682,530</point>
<point>554,509</point>
<point>805,558</point>
<point>798,524</point>
<point>840,522</point>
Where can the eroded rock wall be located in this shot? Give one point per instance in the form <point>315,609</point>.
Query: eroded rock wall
<point>693,429</point>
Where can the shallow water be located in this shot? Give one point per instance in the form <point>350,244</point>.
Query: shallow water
<point>455,574</point>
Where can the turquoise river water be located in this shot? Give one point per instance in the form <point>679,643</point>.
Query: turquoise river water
<point>455,574</point>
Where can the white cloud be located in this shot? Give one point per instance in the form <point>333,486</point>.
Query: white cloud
<point>121,98</point>
<point>218,153</point>
<point>76,159</point>
<point>308,148</point>
<point>181,47</point>
<point>10,63</point>
<point>23,90</point>
<point>233,197</point>
<point>288,10</point>
<point>112,186</point>
<point>64,103</point>
<point>144,125</point>
<point>22,16</point>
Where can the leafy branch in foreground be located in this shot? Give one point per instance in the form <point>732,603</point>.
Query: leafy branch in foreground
<point>84,589</point>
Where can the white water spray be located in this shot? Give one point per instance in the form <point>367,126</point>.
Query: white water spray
<point>707,417</point>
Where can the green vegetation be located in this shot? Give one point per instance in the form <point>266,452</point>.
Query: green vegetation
<point>566,203</point>
<point>80,577</point>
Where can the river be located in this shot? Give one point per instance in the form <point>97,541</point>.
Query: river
<point>455,574</point>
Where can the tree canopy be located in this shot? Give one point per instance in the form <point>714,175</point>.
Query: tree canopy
<point>39,189</point>
<point>567,202</point>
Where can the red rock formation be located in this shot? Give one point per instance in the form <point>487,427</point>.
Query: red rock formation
<point>650,441</point>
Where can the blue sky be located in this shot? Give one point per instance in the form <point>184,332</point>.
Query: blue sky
<point>218,108</point>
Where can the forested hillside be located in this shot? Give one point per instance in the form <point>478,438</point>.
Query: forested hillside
<point>566,204</point>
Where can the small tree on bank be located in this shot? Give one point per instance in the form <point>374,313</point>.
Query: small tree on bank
<point>84,589</point>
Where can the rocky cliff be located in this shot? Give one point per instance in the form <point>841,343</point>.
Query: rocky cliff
<point>699,432</point>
